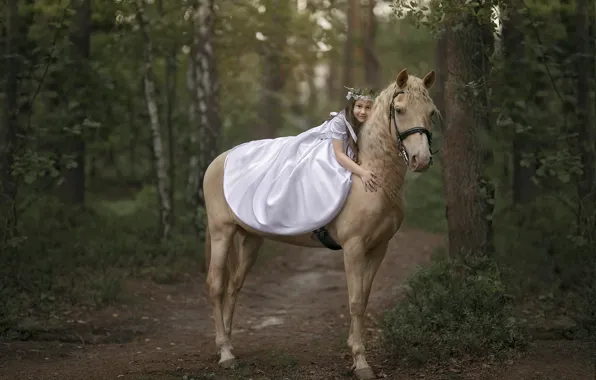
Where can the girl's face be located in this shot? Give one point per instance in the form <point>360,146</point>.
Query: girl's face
<point>362,110</point>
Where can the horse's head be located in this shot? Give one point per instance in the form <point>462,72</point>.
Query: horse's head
<point>410,114</point>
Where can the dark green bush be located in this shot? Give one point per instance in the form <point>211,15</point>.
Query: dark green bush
<point>67,255</point>
<point>451,309</point>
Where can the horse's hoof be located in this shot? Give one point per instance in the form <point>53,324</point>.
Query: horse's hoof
<point>229,364</point>
<point>365,374</point>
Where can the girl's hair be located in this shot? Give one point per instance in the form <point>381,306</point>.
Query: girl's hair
<point>349,115</point>
<point>353,96</point>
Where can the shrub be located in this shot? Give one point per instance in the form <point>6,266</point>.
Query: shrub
<point>71,255</point>
<point>451,309</point>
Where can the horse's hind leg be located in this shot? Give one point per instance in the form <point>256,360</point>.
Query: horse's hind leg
<point>221,236</point>
<point>241,264</point>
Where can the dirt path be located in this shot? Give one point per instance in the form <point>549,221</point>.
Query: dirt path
<point>291,322</point>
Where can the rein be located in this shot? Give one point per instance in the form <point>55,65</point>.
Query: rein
<point>400,137</point>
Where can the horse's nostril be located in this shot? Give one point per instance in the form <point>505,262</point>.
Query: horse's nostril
<point>413,160</point>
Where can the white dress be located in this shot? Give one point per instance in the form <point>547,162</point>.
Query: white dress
<point>289,185</point>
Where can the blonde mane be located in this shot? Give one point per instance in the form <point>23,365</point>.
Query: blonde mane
<point>378,147</point>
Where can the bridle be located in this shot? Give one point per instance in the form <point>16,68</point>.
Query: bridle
<point>401,136</point>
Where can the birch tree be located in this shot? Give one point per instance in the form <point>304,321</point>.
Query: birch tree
<point>161,169</point>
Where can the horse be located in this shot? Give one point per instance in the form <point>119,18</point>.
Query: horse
<point>396,137</point>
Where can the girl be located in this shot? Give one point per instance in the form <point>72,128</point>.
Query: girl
<point>296,184</point>
<point>347,129</point>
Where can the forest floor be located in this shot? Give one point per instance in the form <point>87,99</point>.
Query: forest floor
<point>291,322</point>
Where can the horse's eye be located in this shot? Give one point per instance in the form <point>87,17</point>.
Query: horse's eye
<point>398,110</point>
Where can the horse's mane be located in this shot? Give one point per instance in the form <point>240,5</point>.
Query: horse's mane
<point>378,145</point>
<point>415,94</point>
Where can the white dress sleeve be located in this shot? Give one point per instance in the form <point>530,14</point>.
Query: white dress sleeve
<point>337,128</point>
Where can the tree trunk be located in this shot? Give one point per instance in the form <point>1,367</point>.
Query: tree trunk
<point>273,69</point>
<point>372,66</point>
<point>9,126</point>
<point>271,109</point>
<point>192,183</point>
<point>350,78</point>
<point>313,99</point>
<point>585,121</point>
<point>516,71</point>
<point>170,72</point>
<point>132,144</point>
<point>441,78</point>
<point>467,191</point>
<point>332,91</point>
<point>206,108</point>
<point>72,189</point>
<point>170,83</point>
<point>163,182</point>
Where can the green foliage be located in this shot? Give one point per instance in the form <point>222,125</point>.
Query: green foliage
<point>404,46</point>
<point>546,245</point>
<point>81,256</point>
<point>452,309</point>
<point>588,306</point>
<point>544,237</point>
<point>424,200</point>
<point>550,259</point>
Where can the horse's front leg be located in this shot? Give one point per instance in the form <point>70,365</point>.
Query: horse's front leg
<point>373,260</point>
<point>355,264</point>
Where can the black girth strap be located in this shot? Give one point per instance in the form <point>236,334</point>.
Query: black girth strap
<point>323,235</point>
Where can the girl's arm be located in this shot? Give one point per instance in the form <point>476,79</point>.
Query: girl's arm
<point>344,160</point>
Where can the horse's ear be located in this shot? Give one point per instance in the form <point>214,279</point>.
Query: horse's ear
<point>402,78</point>
<point>429,79</point>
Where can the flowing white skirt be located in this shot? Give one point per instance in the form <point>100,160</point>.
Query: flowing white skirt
<point>288,185</point>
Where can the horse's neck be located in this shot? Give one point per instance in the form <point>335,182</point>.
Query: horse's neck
<point>378,152</point>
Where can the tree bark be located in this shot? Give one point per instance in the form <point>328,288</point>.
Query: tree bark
<point>170,71</point>
<point>72,189</point>
<point>205,80</point>
<point>192,183</point>
<point>273,69</point>
<point>350,78</point>
<point>467,190</point>
<point>9,126</point>
<point>441,78</point>
<point>170,83</point>
<point>517,71</point>
<point>333,61</point>
<point>585,121</point>
<point>372,65</point>
<point>161,171</point>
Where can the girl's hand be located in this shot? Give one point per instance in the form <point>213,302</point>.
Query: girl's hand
<point>369,180</point>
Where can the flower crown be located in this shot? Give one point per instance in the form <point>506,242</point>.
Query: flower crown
<point>360,94</point>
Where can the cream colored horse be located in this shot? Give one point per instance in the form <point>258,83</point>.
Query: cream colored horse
<point>396,136</point>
